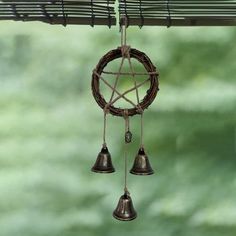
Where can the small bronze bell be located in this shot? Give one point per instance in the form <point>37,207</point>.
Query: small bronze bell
<point>125,210</point>
<point>103,163</point>
<point>141,164</point>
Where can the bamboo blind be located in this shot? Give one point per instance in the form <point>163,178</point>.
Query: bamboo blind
<point>137,12</point>
<point>179,12</point>
<point>86,12</point>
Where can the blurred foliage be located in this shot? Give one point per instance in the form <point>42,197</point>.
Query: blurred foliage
<point>51,132</point>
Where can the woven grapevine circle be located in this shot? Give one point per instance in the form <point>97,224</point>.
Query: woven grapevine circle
<point>150,93</point>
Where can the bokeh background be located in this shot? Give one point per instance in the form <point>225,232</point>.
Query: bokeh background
<point>51,132</point>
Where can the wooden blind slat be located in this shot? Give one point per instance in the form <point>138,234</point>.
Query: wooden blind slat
<point>90,12</point>
<point>179,12</point>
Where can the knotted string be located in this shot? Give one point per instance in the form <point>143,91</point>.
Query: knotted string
<point>126,117</point>
<point>141,136</point>
<point>104,129</point>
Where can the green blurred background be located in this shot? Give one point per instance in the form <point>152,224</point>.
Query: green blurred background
<point>51,132</point>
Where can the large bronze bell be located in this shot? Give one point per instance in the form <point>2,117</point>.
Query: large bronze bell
<point>125,210</point>
<point>103,163</point>
<point>141,164</point>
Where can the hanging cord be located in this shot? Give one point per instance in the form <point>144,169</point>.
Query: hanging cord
<point>125,18</point>
<point>127,141</point>
<point>104,129</point>
<point>123,28</point>
<point>141,138</point>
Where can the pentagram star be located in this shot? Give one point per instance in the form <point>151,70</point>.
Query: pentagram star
<point>114,87</point>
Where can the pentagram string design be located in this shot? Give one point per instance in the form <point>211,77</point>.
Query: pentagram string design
<point>123,95</point>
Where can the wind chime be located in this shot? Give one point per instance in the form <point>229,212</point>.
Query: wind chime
<point>136,12</point>
<point>125,210</point>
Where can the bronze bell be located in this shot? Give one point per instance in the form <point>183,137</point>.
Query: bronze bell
<point>125,210</point>
<point>141,164</point>
<point>103,163</point>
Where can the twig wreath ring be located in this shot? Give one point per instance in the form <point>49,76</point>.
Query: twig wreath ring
<point>151,92</point>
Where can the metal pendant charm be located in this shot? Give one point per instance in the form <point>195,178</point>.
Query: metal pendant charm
<point>128,137</point>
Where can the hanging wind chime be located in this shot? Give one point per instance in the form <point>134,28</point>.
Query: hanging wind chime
<point>139,13</point>
<point>125,210</point>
